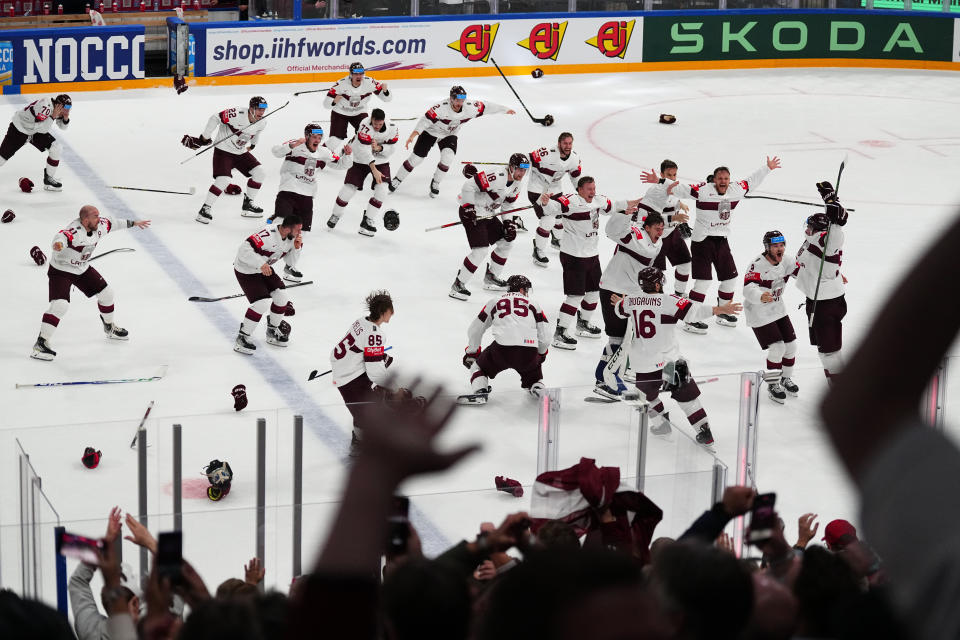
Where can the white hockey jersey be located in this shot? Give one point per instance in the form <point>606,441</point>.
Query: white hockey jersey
<point>355,99</point>
<point>362,350</point>
<point>547,169</point>
<point>366,137</point>
<point>581,221</point>
<point>633,252</point>
<point>263,246</point>
<point>713,209</point>
<point>763,277</point>
<point>441,120</point>
<point>37,117</point>
<point>808,265</point>
<point>298,173</point>
<point>233,127</point>
<point>489,190</point>
<point>77,244</point>
<point>653,318</point>
<point>515,321</point>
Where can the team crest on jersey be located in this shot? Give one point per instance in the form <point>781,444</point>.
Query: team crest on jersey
<point>545,40</point>
<point>476,42</point>
<point>613,38</point>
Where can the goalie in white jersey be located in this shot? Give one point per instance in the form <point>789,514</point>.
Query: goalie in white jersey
<point>72,248</point>
<point>547,169</point>
<point>33,124</point>
<point>261,284</point>
<point>348,100</point>
<point>521,339</point>
<point>237,132</point>
<point>653,351</point>
<point>440,126</point>
<point>766,314</point>
<point>376,140</point>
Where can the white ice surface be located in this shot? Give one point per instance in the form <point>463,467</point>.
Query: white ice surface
<point>898,128</point>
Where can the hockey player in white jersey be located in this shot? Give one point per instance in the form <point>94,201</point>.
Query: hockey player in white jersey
<point>580,256</point>
<point>348,100</point>
<point>440,126</point>
<point>482,196</point>
<point>33,124</point>
<point>547,169</point>
<point>818,277</point>
<point>261,284</point>
<point>236,132</point>
<point>675,246</point>
<point>521,339</point>
<point>303,159</point>
<point>715,203</point>
<point>654,353</point>
<point>766,314</point>
<point>72,248</point>
<point>374,143</point>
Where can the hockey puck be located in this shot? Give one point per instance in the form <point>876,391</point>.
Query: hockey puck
<point>666,118</point>
<point>547,120</point>
<point>537,73</point>
<point>8,216</point>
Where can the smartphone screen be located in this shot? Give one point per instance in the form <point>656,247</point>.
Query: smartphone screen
<point>763,518</point>
<point>170,554</point>
<point>398,529</point>
<point>71,545</point>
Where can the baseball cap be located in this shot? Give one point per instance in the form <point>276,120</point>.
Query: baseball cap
<point>839,533</point>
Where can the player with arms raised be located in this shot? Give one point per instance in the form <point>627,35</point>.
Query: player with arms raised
<point>237,133</point>
<point>33,124</point>
<point>440,126</point>
<point>348,100</point>
<point>675,247</point>
<point>547,168</point>
<point>521,338</point>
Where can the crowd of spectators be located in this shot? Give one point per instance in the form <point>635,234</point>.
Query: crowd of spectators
<point>550,585</point>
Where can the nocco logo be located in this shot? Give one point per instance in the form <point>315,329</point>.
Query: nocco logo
<point>545,40</point>
<point>613,38</point>
<point>476,42</point>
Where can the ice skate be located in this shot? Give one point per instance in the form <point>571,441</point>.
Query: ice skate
<point>601,389</point>
<point>585,329</point>
<point>204,214</point>
<point>695,327</point>
<point>562,340</point>
<point>705,436</point>
<point>790,386</point>
<point>250,210</point>
<point>458,291</point>
<point>113,331</point>
<point>434,188</point>
<point>243,345</point>
<point>475,399</point>
<point>367,228</point>
<point>332,221</point>
<point>517,220</point>
<point>776,392</point>
<point>50,183</point>
<point>538,258</point>
<point>291,275</point>
<point>554,240</point>
<point>726,320</point>
<point>662,429</point>
<point>276,336</point>
<point>41,351</point>
<point>492,282</point>
<point>537,389</point>
<point>394,185</point>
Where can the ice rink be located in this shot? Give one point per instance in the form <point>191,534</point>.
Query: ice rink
<point>898,129</point>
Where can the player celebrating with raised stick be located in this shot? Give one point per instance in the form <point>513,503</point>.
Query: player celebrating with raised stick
<point>440,125</point>
<point>376,140</point>
<point>72,248</point>
<point>547,168</point>
<point>261,285</point>
<point>675,248</point>
<point>237,131</point>
<point>33,124</point>
<point>347,101</point>
<point>766,314</point>
<point>483,194</point>
<point>521,339</point>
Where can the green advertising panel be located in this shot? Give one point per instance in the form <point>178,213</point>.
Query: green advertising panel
<point>796,35</point>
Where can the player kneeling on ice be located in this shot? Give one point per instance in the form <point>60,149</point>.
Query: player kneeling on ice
<point>260,283</point>
<point>654,353</point>
<point>482,196</point>
<point>72,248</point>
<point>521,338</point>
<point>766,314</point>
<point>33,124</point>
<point>237,131</point>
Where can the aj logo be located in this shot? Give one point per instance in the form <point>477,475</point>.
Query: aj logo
<point>545,40</point>
<point>476,42</point>
<point>613,38</point>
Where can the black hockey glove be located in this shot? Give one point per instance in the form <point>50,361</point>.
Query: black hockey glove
<point>684,230</point>
<point>509,230</point>
<point>836,214</point>
<point>468,214</point>
<point>470,358</point>
<point>827,192</point>
<point>194,143</point>
<point>469,171</point>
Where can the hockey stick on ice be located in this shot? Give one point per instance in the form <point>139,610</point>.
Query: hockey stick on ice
<point>811,204</point>
<point>546,120</point>
<point>239,295</point>
<point>158,376</point>
<point>826,243</point>
<point>314,375</point>
<point>120,250</point>
<point>140,428</point>
<point>453,224</point>
<point>213,145</point>
<point>192,191</point>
